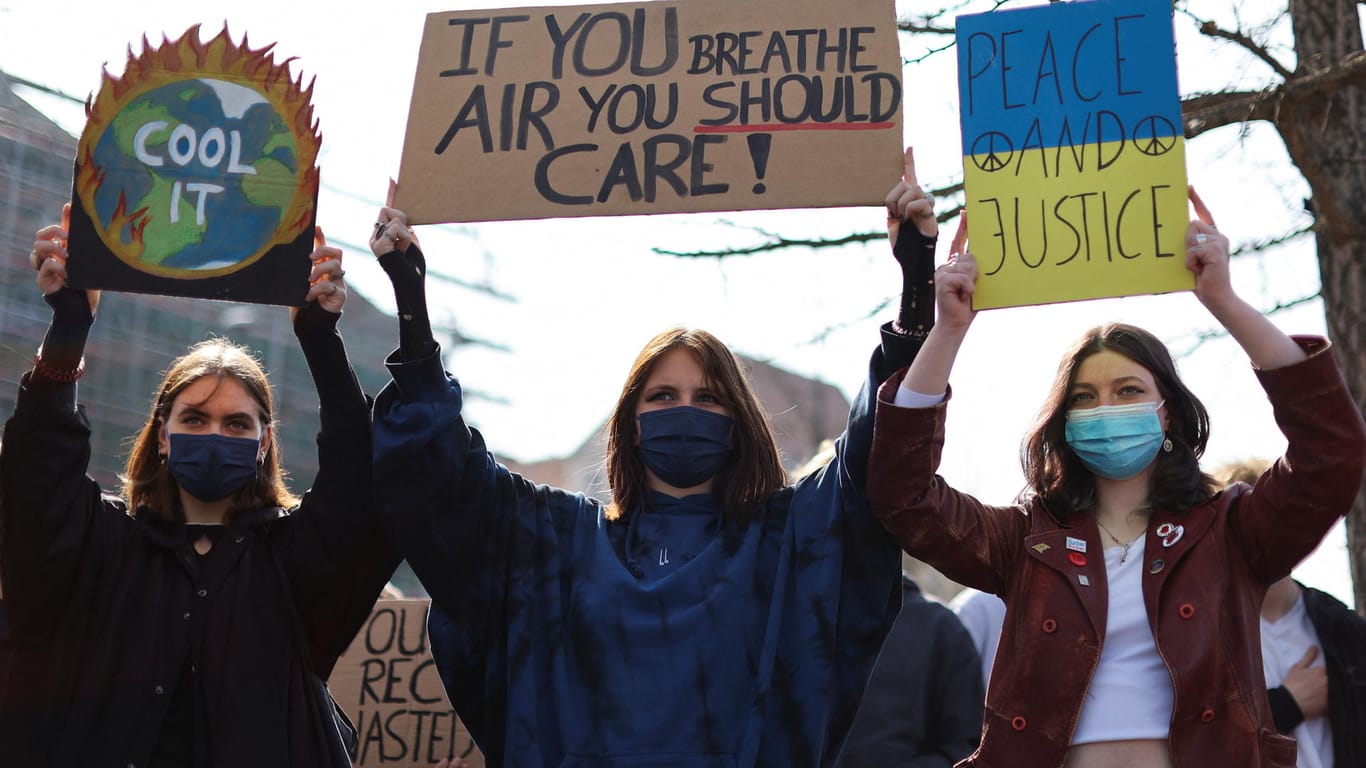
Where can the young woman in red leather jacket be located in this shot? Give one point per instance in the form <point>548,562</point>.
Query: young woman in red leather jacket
<point>1133,588</point>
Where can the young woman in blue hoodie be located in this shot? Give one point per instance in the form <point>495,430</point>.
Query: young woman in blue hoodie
<point>711,615</point>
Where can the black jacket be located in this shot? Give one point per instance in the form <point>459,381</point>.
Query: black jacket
<point>106,608</point>
<point>1342,640</point>
<point>923,705</point>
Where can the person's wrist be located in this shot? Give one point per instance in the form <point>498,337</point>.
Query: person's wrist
<point>54,375</point>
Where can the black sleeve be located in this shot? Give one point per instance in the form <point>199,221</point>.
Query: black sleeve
<point>901,339</point>
<point>64,343</point>
<point>1284,710</point>
<point>337,557</point>
<point>407,271</point>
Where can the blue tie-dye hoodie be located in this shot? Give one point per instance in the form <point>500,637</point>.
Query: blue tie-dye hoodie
<point>672,637</point>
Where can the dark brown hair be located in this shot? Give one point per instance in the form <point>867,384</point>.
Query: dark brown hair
<point>1055,474</point>
<point>754,470</point>
<point>146,480</point>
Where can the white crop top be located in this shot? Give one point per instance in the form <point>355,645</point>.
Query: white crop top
<point>1130,696</point>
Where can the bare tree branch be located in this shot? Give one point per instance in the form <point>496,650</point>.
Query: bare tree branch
<point>1255,248</point>
<point>1206,111</point>
<point>778,243</point>
<point>1210,29</point>
<point>831,329</point>
<point>1201,338</point>
<point>925,27</point>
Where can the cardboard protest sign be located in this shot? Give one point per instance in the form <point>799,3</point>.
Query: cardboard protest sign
<point>388,684</point>
<point>1074,158</point>
<point>195,176</point>
<point>652,107</point>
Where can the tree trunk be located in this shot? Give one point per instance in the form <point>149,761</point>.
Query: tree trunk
<point>1325,134</point>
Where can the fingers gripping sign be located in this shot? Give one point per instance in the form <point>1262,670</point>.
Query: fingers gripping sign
<point>392,232</point>
<point>326,278</point>
<point>49,257</point>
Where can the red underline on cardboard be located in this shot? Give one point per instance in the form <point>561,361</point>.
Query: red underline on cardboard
<point>771,127</point>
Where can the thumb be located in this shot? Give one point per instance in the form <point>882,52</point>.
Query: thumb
<point>319,239</point>
<point>1308,658</point>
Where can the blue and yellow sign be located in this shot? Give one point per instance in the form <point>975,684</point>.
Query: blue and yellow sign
<point>1073,154</point>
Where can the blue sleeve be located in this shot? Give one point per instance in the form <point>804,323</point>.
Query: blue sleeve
<point>486,543</point>
<point>850,579</point>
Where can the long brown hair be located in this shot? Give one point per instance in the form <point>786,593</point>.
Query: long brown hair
<point>754,470</point>
<point>1066,486</point>
<point>146,480</point>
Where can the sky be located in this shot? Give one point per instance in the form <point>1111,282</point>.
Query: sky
<point>587,293</point>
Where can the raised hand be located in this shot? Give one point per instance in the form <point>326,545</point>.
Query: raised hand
<point>49,256</point>
<point>392,232</point>
<point>907,201</point>
<point>327,278</point>
<point>1207,255</point>
<point>955,282</point>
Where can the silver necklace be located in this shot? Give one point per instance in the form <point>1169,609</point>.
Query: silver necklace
<point>1125,555</point>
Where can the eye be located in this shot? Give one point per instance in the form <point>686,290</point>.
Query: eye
<point>191,419</point>
<point>709,399</point>
<point>241,425</point>
<point>662,396</point>
<point>1077,398</point>
<point>1131,389</point>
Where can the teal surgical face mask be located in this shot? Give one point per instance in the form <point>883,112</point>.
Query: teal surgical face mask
<point>1115,441</point>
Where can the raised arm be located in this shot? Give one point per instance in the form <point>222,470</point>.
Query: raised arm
<point>435,482</point>
<point>1207,255</point>
<point>954,283</point>
<point>338,557</point>
<point>51,515</point>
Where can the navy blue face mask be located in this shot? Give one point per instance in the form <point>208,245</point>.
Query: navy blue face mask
<point>684,446</point>
<point>212,467</point>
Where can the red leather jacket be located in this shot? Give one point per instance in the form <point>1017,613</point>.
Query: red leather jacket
<point>1203,590</point>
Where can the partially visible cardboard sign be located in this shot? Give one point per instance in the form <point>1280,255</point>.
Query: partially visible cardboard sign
<point>195,176</point>
<point>652,107</point>
<point>388,684</point>
<point>1074,157</point>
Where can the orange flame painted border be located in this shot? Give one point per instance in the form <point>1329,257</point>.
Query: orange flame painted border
<point>219,58</point>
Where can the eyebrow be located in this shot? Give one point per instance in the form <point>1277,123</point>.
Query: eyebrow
<point>196,411</point>
<point>1117,380</point>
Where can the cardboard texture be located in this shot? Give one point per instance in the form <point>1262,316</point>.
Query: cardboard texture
<point>195,176</point>
<point>652,107</point>
<point>387,683</point>
<point>1073,153</point>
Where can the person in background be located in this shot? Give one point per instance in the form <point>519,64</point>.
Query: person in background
<point>192,621</point>
<point>982,613</point>
<point>1133,584</point>
<point>710,615</point>
<point>1314,658</point>
<point>923,706</point>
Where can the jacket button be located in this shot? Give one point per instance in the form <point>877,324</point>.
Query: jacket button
<point>1186,610</point>
<point>203,593</point>
<point>1207,716</point>
<point>1050,626</point>
<point>1157,566</point>
<point>636,571</point>
<point>1018,723</point>
<point>238,540</point>
<point>159,690</point>
<point>187,615</point>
